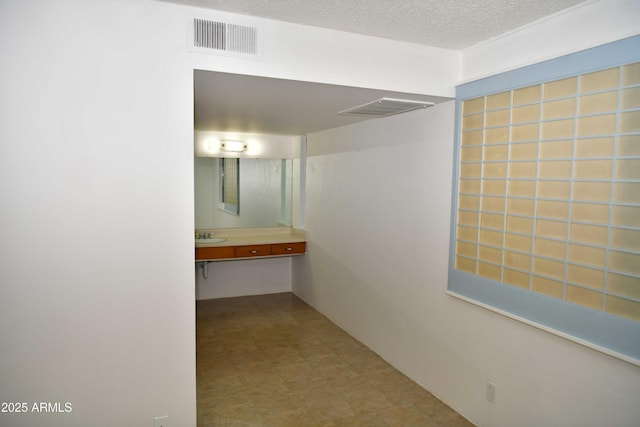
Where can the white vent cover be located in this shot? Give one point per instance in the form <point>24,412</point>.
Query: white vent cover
<point>224,38</point>
<point>385,107</point>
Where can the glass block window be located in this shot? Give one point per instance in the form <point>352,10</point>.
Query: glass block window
<point>548,194</point>
<point>230,184</point>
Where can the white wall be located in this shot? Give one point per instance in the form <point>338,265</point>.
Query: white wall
<point>244,277</point>
<point>378,213</point>
<point>586,25</point>
<point>96,183</point>
<point>96,172</point>
<point>299,52</point>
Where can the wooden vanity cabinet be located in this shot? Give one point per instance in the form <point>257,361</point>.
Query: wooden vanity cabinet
<point>215,252</point>
<point>249,251</point>
<point>288,248</point>
<point>252,250</point>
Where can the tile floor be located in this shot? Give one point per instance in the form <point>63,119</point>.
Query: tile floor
<point>273,361</point>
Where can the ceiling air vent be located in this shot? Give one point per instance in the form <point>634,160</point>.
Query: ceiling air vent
<point>211,36</point>
<point>385,107</point>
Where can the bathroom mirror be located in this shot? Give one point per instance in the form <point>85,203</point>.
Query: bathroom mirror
<point>264,196</point>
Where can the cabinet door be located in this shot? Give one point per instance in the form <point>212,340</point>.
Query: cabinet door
<point>219,252</point>
<point>253,250</point>
<point>288,248</point>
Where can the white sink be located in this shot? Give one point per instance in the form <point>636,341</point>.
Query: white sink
<point>212,240</point>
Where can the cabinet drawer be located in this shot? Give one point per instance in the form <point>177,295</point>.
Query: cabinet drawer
<point>253,250</point>
<point>288,248</point>
<point>218,252</point>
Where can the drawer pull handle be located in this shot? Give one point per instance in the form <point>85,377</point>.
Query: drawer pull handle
<point>289,249</point>
<point>254,251</point>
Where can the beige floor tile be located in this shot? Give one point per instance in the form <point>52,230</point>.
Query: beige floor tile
<point>366,400</point>
<point>273,361</point>
<point>328,408</point>
<point>361,420</point>
<point>406,416</point>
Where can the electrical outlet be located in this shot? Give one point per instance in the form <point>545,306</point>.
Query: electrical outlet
<point>491,392</point>
<point>162,421</point>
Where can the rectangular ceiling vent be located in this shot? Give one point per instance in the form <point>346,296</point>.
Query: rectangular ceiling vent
<point>385,107</point>
<point>224,38</point>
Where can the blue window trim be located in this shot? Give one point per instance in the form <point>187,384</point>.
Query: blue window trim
<point>614,335</point>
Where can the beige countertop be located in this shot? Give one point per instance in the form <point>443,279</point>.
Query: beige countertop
<point>251,236</point>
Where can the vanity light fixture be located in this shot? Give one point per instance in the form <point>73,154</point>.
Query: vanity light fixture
<point>233,146</point>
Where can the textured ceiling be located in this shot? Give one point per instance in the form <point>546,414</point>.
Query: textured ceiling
<point>451,24</point>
